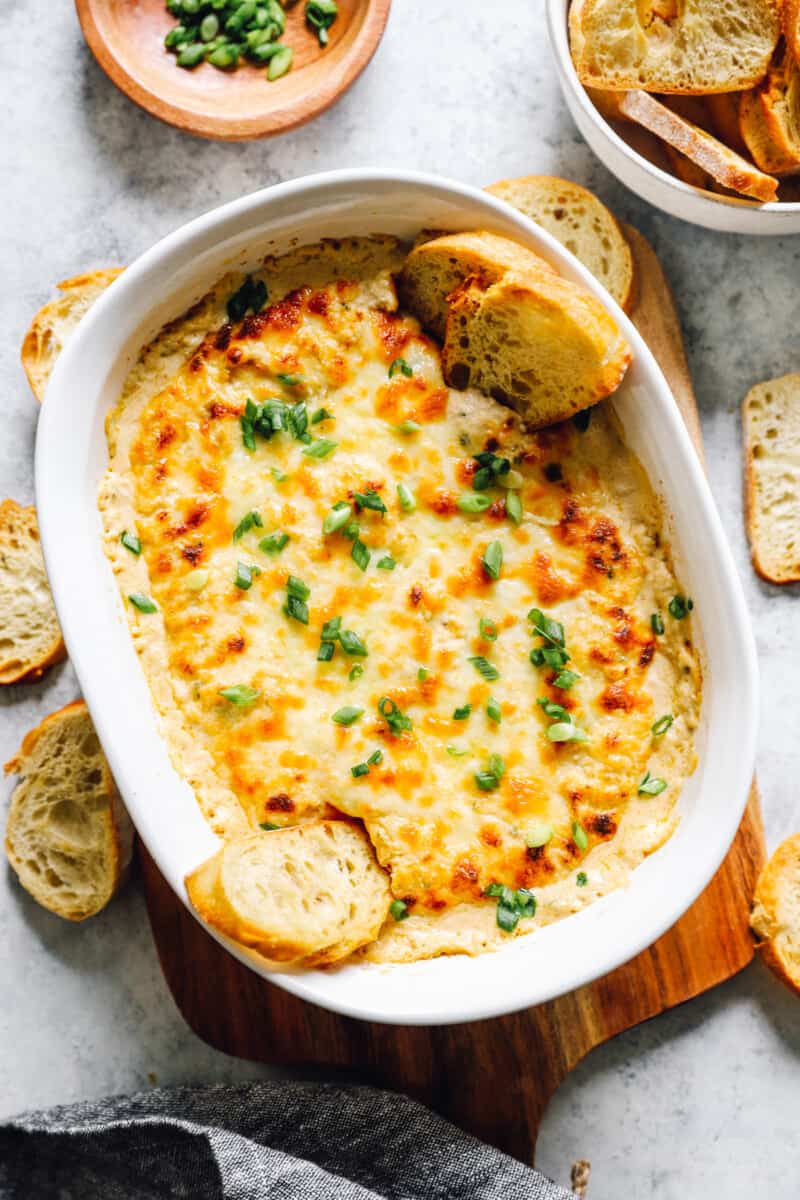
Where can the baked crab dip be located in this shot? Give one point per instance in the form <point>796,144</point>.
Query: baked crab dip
<point>403,598</point>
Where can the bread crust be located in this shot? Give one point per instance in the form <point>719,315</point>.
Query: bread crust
<point>791,27</point>
<point>750,444</point>
<point>54,323</point>
<point>768,918</point>
<point>765,119</point>
<point>117,847</point>
<point>14,519</point>
<point>724,165</point>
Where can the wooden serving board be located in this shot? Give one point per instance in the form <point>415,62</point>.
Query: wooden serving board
<point>493,1078</point>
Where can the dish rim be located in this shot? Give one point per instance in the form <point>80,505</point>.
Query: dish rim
<point>728,214</point>
<point>57,505</point>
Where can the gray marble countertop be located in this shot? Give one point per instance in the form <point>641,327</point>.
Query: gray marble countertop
<point>703,1098</point>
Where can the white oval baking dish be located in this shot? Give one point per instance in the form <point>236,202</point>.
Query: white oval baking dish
<point>71,457</point>
<point>729,214</point>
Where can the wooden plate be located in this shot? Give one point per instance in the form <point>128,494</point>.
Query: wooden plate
<point>127,39</point>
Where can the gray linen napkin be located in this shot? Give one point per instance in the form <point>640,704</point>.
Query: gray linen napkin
<point>261,1141</point>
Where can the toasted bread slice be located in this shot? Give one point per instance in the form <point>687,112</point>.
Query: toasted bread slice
<point>311,893</point>
<point>776,912</point>
<point>791,27</point>
<point>771,419</point>
<point>30,636</point>
<point>687,170</point>
<point>54,324</point>
<point>541,345</point>
<point>684,46</point>
<point>580,222</point>
<point>769,118</point>
<point>729,169</point>
<point>435,268</point>
<point>68,836</point>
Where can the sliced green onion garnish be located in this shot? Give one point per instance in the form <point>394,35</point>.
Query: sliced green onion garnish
<point>556,712</point>
<point>514,507</point>
<point>297,609</point>
<point>142,602</point>
<point>538,833</point>
<point>399,910</point>
<point>245,574</point>
<point>289,380</point>
<point>336,518</point>
<point>492,560</point>
<point>511,479</point>
<point>474,502</point>
<point>131,542</point>
<point>422,674</point>
<point>552,631</point>
<point>321,414</point>
<point>321,448</point>
<point>331,629</point>
<point>484,668</point>
<point>494,710</point>
<point>355,672</point>
<point>352,644</point>
<point>347,715</point>
<point>405,428</point>
<point>562,731</point>
<point>680,607</point>
<point>400,364</point>
<point>359,770</point>
<point>250,520</point>
<point>325,652</point>
<point>296,587</point>
<point>268,826</point>
<point>278,475</point>
<point>386,563</point>
<point>240,694</point>
<point>196,580</point>
<point>579,835</point>
<point>375,758</point>
<point>457,751</point>
<point>397,721</point>
<point>489,779</point>
<point>662,725</point>
<point>650,786</point>
<point>657,623</point>
<point>406,497</point>
<point>487,629</point>
<point>360,554</point>
<point>581,879</point>
<point>370,499</point>
<point>273,543</point>
<point>566,679</point>
<point>461,713</point>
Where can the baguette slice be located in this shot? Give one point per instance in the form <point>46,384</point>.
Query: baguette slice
<point>729,169</point>
<point>685,46</point>
<point>436,267</point>
<point>54,324</point>
<point>30,636</point>
<point>769,119</point>
<point>580,222</point>
<point>771,418</point>
<point>311,893</point>
<point>541,345</point>
<point>776,912</point>
<point>68,836</point>
<point>791,27</point>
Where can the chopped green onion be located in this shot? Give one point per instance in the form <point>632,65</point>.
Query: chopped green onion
<point>331,629</point>
<point>355,672</point>
<point>511,905</point>
<point>278,475</point>
<point>375,758</point>
<point>487,629</point>
<point>489,779</point>
<point>662,725</point>
<point>491,468</point>
<point>321,414</point>
<point>657,623</point>
<point>652,787</point>
<point>273,543</point>
<point>405,428</point>
<point>474,502</point>
<point>296,587</point>
<point>399,910</point>
<point>387,563</point>
<point>492,560</point>
<point>131,542</point>
<point>352,644</point>
<point>566,732</point>
<point>359,770</point>
<point>400,364</point>
<point>360,554</point>
<point>289,380</point>
<point>514,507</point>
<point>370,499</point>
<point>280,63</point>
<point>556,711</point>
<point>566,679</point>
<point>336,518</point>
<point>422,674</point>
<point>247,522</point>
<point>297,609</point>
<point>142,602</point>
<point>347,715</point>
<point>268,826</point>
<point>397,721</point>
<point>484,667</point>
<point>579,835</point>
<point>456,751</point>
<point>321,448</point>
<point>240,694</point>
<point>325,652</point>
<point>680,607</point>
<point>461,714</point>
<point>552,631</point>
<point>196,580</point>
<point>494,710</point>
<point>245,573</point>
<point>511,479</point>
<point>538,833</point>
<point>581,879</point>
<point>406,498</point>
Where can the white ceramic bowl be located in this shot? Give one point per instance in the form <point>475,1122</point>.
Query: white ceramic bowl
<point>71,457</point>
<point>729,214</point>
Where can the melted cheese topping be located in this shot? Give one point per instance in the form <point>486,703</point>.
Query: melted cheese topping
<point>587,551</point>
